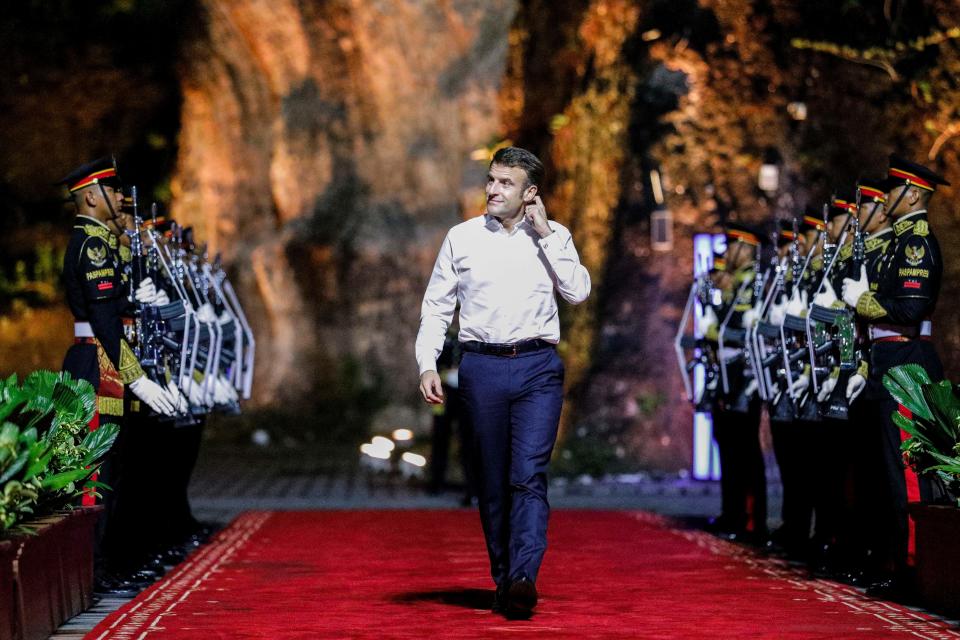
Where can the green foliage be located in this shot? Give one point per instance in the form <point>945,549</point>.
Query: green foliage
<point>933,424</point>
<point>46,451</point>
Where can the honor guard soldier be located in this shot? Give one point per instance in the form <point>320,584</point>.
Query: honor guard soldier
<point>97,297</point>
<point>736,420</point>
<point>897,312</point>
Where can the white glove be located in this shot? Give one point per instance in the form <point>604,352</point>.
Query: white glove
<point>800,385</point>
<point>853,289</point>
<point>778,311</point>
<point>146,293</point>
<point>206,313</point>
<point>154,395</point>
<point>751,388</point>
<point>709,321</point>
<point>192,390</point>
<point>180,403</point>
<point>161,298</point>
<point>798,303</point>
<point>223,391</point>
<point>775,392</point>
<point>750,317</point>
<point>826,297</point>
<point>855,387</point>
<point>827,388</point>
<point>224,318</point>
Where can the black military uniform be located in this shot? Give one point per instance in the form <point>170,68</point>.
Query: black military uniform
<point>897,312</point>
<point>97,296</point>
<point>97,292</point>
<point>736,420</point>
<point>790,437</point>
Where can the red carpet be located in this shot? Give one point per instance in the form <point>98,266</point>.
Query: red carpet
<point>417,574</point>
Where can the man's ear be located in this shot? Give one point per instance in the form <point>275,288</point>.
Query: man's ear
<point>530,193</point>
<point>913,196</point>
<point>90,198</point>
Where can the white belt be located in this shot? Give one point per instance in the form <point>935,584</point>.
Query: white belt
<point>82,330</point>
<point>876,333</point>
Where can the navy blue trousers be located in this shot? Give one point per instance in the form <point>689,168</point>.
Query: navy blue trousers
<point>514,404</point>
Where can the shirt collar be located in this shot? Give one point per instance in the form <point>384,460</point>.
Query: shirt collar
<point>496,226</point>
<point>920,213</point>
<point>93,220</point>
<point>880,233</point>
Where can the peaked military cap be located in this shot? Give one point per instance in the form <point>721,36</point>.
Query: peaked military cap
<point>737,232</point>
<point>785,233</point>
<point>719,263</point>
<point>842,203</point>
<point>874,190</point>
<point>812,220</point>
<point>903,171</point>
<point>100,171</point>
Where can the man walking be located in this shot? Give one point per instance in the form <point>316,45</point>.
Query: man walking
<point>502,269</point>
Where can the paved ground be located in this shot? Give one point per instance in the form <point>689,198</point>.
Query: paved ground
<point>230,480</point>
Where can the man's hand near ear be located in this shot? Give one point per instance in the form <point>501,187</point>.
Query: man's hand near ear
<point>536,216</point>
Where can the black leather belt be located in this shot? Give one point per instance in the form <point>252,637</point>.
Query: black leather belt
<point>509,350</point>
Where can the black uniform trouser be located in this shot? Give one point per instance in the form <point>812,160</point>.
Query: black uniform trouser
<point>891,520</point>
<point>743,482</point>
<point>791,445</point>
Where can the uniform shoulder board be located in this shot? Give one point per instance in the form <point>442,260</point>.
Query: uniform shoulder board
<point>103,233</point>
<point>845,251</point>
<point>921,228</point>
<point>902,226</point>
<point>872,244</point>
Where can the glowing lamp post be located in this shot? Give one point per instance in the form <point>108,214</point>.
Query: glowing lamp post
<point>769,177</point>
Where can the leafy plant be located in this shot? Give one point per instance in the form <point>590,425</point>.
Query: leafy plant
<point>47,454</point>
<point>932,419</point>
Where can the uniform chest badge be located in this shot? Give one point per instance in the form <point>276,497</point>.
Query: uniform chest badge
<point>914,255</point>
<point>97,255</point>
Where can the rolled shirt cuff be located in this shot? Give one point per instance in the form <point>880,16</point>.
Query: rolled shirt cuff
<point>427,365</point>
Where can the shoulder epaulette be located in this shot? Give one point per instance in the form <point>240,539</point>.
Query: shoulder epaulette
<point>96,231</point>
<point>921,228</point>
<point>845,251</point>
<point>902,226</point>
<point>872,244</point>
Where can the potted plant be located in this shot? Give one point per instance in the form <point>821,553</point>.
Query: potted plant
<point>930,415</point>
<point>47,456</point>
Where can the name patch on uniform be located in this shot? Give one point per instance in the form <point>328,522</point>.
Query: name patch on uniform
<point>97,255</point>
<point>103,286</point>
<point>911,284</point>
<point>915,254</point>
<point>914,273</point>
<point>100,273</point>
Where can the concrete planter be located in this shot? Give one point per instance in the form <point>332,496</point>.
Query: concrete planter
<point>938,556</point>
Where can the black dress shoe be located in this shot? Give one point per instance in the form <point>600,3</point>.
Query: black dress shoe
<point>500,597</point>
<point>521,598</point>
<point>113,585</point>
<point>895,589</point>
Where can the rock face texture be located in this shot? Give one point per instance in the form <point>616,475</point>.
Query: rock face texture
<point>325,149</point>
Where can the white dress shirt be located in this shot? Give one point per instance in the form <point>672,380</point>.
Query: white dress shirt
<point>504,282</point>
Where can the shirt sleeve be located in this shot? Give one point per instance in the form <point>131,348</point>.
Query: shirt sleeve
<point>570,277</point>
<point>436,312</point>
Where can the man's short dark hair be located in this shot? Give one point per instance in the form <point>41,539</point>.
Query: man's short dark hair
<point>517,157</point>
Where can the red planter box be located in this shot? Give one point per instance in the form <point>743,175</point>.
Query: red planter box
<point>938,556</point>
<point>9,621</point>
<point>51,574</point>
